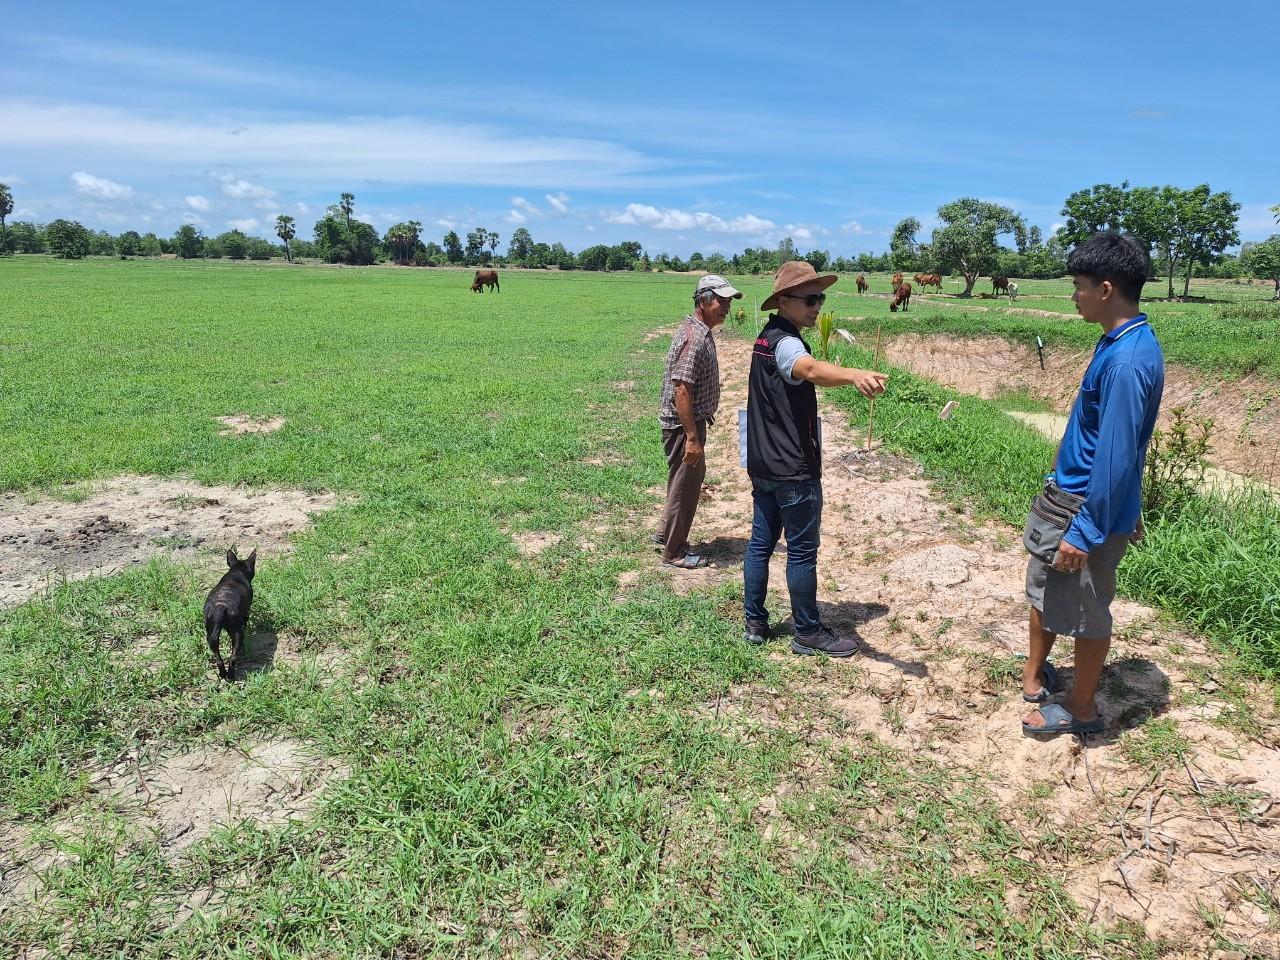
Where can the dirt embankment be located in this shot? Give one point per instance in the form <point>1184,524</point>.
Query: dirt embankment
<point>1245,411</point>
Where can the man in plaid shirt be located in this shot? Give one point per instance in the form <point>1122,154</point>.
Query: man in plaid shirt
<point>690,397</point>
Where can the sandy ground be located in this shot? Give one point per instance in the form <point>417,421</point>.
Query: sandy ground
<point>126,520</point>
<point>938,598</point>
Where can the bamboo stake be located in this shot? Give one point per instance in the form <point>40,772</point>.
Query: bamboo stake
<point>875,365</point>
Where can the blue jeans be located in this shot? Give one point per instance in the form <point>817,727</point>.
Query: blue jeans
<point>797,508</point>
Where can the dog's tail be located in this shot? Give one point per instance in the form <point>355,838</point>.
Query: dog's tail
<point>212,628</point>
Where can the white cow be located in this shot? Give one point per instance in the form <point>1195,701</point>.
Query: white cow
<point>1013,291</point>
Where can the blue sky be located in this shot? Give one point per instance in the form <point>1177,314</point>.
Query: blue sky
<point>675,125</point>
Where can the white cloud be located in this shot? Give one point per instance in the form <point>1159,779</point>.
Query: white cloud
<point>197,202</point>
<point>643,215</point>
<point>516,217</point>
<point>798,231</point>
<point>523,205</point>
<point>244,226</point>
<point>590,228</point>
<point>191,218</point>
<point>11,179</point>
<point>99,187</point>
<point>264,198</point>
<point>365,218</point>
<point>447,224</point>
<point>1054,228</point>
<point>854,227</point>
<point>302,208</point>
<point>395,150</point>
<point>559,202</point>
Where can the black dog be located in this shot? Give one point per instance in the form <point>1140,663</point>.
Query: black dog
<point>227,608</point>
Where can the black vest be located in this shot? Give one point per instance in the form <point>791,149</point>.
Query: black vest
<point>782,420</point>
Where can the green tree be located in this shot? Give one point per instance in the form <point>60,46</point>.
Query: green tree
<point>476,241</point>
<point>188,242</point>
<point>1034,238</point>
<point>520,247</point>
<point>102,244</point>
<point>903,244</point>
<point>453,247</point>
<point>355,243</point>
<point>347,204</point>
<point>1185,227</point>
<point>67,239</point>
<point>128,244</point>
<point>967,240</point>
<point>234,244</point>
<point>286,231</point>
<point>492,240</point>
<point>259,249</point>
<point>403,240</point>
<point>26,237</point>
<point>1262,260</point>
<point>150,245</point>
<point>594,258</point>
<point>817,259</point>
<point>1100,207</point>
<point>6,208</point>
<point>786,251</point>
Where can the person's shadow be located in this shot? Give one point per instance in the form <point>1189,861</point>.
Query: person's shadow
<point>1132,691</point>
<point>846,616</point>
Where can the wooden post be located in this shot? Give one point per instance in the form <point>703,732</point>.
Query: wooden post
<point>875,365</point>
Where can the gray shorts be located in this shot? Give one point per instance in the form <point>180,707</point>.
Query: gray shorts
<point>1078,604</point>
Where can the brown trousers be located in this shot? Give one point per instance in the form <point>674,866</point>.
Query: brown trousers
<point>684,486</point>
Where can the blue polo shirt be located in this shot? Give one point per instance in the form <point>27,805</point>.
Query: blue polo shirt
<point>1104,450</point>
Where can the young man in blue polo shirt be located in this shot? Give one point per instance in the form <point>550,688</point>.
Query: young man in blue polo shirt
<point>1099,469</point>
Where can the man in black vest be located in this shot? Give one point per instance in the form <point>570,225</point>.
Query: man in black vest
<point>784,457</point>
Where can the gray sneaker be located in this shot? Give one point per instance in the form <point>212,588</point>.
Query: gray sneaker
<point>756,633</point>
<point>825,641</point>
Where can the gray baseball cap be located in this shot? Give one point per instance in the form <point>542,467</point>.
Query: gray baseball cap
<point>719,285</point>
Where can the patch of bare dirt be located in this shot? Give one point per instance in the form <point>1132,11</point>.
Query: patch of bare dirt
<point>1245,410</point>
<point>128,519</point>
<point>178,800</point>
<point>242,423</point>
<point>530,543</point>
<point>938,598</point>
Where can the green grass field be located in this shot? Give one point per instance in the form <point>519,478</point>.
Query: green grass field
<point>447,421</point>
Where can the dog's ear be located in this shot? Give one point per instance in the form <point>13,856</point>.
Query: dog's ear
<point>251,560</point>
<point>231,557</point>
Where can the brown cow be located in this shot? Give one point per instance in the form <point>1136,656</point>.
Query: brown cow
<point>901,298</point>
<point>897,280</point>
<point>999,285</point>
<point>861,281</point>
<point>485,278</point>
<point>930,280</point>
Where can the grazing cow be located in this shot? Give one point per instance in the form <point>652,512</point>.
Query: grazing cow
<point>227,608</point>
<point>1013,291</point>
<point>999,285</point>
<point>861,281</point>
<point>901,298</point>
<point>485,278</point>
<point>897,280</point>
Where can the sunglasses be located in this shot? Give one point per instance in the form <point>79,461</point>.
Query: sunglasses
<point>812,300</point>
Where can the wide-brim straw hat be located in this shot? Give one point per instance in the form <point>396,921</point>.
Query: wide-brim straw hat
<point>792,274</point>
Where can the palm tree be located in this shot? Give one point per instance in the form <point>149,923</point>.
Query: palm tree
<point>348,205</point>
<point>285,231</point>
<point>6,208</point>
<point>493,245</point>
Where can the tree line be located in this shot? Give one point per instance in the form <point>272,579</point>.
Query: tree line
<point>1186,230</point>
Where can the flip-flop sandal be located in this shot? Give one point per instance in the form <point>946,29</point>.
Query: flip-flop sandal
<point>690,561</point>
<point>658,540</point>
<point>1058,721</point>
<point>1050,686</point>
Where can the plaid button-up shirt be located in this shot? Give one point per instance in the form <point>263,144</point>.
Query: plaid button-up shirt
<point>692,360</point>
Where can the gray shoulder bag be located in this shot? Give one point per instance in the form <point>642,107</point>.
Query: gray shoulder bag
<point>1051,514</point>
